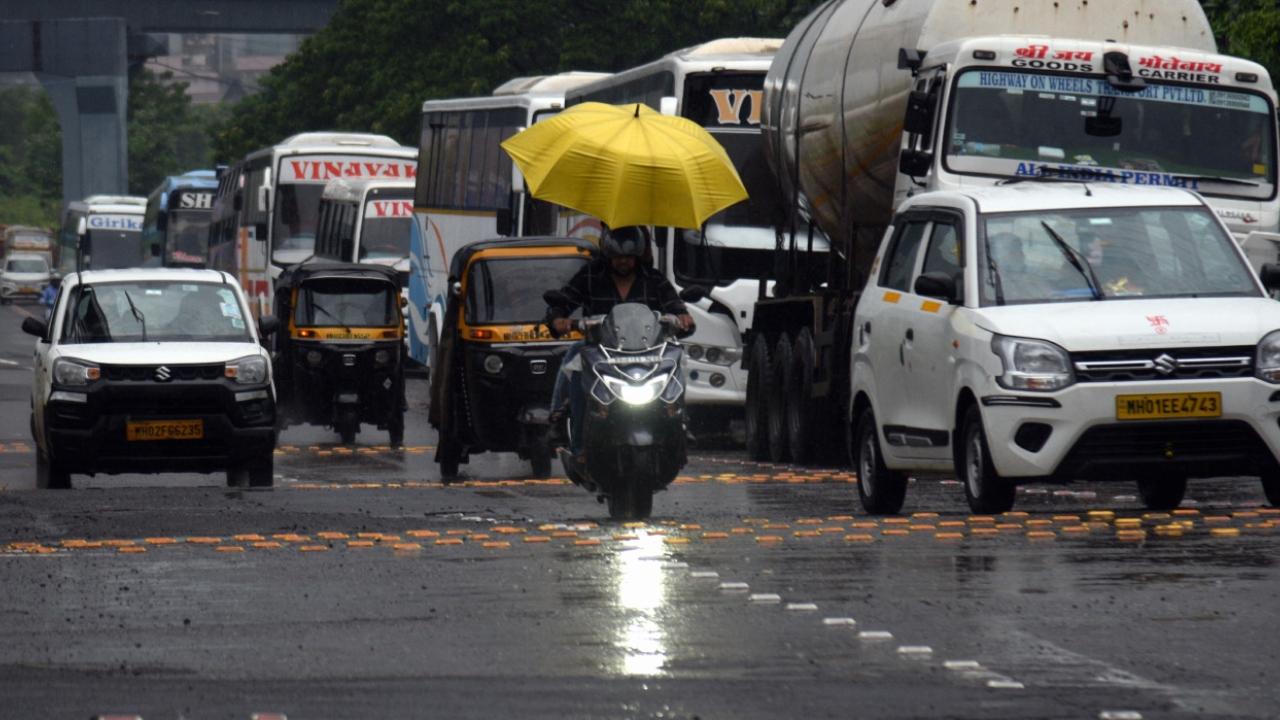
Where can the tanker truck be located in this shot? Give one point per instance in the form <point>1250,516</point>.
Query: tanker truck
<point>869,102</point>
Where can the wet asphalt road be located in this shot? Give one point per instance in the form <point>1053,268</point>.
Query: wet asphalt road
<point>361,588</point>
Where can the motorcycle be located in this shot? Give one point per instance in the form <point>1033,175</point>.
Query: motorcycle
<point>633,428</point>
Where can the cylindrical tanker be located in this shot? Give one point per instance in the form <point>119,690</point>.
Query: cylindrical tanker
<point>835,96</point>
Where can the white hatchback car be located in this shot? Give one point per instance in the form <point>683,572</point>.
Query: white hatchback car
<point>23,275</point>
<point>152,370</point>
<point>1063,331</point>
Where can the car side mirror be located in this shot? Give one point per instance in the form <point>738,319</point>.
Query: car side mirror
<point>937,285</point>
<point>915,163</point>
<point>268,325</point>
<point>693,293</point>
<point>38,328</point>
<point>1270,276</point>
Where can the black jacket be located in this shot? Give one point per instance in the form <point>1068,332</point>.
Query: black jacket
<point>592,289</point>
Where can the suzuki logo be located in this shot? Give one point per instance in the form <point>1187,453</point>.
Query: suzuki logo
<point>163,374</point>
<point>1166,364</point>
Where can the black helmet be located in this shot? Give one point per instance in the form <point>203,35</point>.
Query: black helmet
<point>625,241</point>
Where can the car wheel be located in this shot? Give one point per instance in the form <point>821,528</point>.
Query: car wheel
<point>880,489</point>
<point>50,475</point>
<point>986,491</point>
<point>540,457</point>
<point>778,369</point>
<point>261,472</point>
<point>1271,485</point>
<point>1162,493</point>
<point>801,410</point>
<point>759,389</point>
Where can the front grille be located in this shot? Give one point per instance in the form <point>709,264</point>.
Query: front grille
<point>1172,364</point>
<point>147,373</point>
<point>1176,440</point>
<point>159,401</point>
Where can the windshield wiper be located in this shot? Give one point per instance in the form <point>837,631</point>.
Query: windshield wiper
<point>336,319</point>
<point>1078,261</point>
<point>137,315</point>
<point>1218,179</point>
<point>993,271</point>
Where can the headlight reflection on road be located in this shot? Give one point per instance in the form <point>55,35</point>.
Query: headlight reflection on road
<point>641,595</point>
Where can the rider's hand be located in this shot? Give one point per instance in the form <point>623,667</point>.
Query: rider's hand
<point>686,322</point>
<point>562,326</point>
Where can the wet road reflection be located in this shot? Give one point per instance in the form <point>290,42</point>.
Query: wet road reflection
<point>640,590</point>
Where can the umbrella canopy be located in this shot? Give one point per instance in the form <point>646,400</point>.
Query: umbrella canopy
<point>627,165</point>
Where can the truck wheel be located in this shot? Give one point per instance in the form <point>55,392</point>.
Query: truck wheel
<point>986,491</point>
<point>756,413</point>
<point>1162,493</point>
<point>50,475</point>
<point>778,369</point>
<point>800,407</point>
<point>880,489</point>
<point>395,429</point>
<point>540,458</point>
<point>261,472</point>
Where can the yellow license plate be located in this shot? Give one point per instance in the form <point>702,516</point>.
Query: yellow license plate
<point>1169,406</point>
<point>165,430</point>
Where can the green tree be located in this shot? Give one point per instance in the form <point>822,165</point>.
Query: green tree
<point>167,134</point>
<point>377,60</point>
<point>30,158</point>
<point>1250,29</point>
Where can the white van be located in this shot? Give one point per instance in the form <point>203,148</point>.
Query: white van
<point>1059,331</point>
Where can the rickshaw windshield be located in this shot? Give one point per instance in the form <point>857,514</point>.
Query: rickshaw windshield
<point>508,291</point>
<point>346,302</point>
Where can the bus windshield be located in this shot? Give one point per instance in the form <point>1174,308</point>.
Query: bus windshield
<point>105,249</point>
<point>188,241</point>
<point>297,207</point>
<point>1217,141</point>
<point>384,234</point>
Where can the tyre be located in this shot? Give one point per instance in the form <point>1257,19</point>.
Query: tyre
<point>801,419</point>
<point>635,502</point>
<point>261,472</point>
<point>880,489</point>
<point>1162,492</point>
<point>540,458</point>
<point>449,456</point>
<point>986,491</point>
<point>49,475</point>
<point>778,369</point>
<point>433,346</point>
<point>1271,485</point>
<point>756,412</point>
<point>395,429</point>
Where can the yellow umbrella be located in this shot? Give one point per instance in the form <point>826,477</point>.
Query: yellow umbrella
<point>627,165</point>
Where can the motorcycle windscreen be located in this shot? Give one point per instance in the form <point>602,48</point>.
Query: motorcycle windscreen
<point>631,327</point>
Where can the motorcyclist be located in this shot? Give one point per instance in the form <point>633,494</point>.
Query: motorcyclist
<point>616,277</point>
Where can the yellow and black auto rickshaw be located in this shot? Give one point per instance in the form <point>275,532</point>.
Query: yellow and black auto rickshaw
<point>339,354</point>
<point>497,361</point>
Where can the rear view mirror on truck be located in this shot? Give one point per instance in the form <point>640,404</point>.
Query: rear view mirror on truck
<point>915,163</point>
<point>919,117</point>
<point>1270,276</point>
<point>937,285</point>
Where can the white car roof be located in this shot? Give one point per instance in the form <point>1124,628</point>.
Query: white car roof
<point>1025,196</point>
<point>145,274</point>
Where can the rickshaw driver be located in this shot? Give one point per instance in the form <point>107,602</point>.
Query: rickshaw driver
<point>617,277</point>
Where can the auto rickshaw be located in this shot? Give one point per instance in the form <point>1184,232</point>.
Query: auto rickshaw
<point>492,379</point>
<point>339,357</point>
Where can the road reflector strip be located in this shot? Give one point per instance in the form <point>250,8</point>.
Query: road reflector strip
<point>924,515</point>
<point>1066,518</point>
<point>921,528</point>
<point>715,535</point>
<point>765,598</point>
<point>1169,530</point>
<point>767,539</point>
<point>586,541</point>
<point>1075,529</point>
<point>508,530</point>
<point>477,537</point>
<point>948,536</point>
<point>840,518</point>
<point>895,532</point>
<point>313,548</point>
<point>809,521</point>
<point>537,539</point>
<point>1005,685</point>
<point>704,574</point>
<point>268,545</point>
<point>332,535</point>
<point>422,534</point>
<point>676,540</point>
<point>952,524</point>
<point>776,526</point>
<point>1186,511</point>
<point>859,538</point>
<point>107,543</point>
<point>229,549</point>
<point>449,541</point>
<point>1127,523</point>
<point>268,716</point>
<point>1216,519</point>
<point>1101,515</point>
<point>161,541</point>
<point>806,534</point>
<point>1119,715</point>
<point>203,540</point>
<point>1224,532</point>
<point>896,521</point>
<point>915,650</point>
<point>865,525</point>
<point>1038,523</point>
<point>248,538</point>
<point>983,531</point>
<point>360,543</point>
<point>564,534</point>
<point>959,665</point>
<point>983,519</point>
<point>407,546</point>
<point>493,545</point>
<point>734,587</point>
<point>1131,535</point>
<point>1008,526</point>
<point>131,549</point>
<point>875,635</point>
<point>802,606</point>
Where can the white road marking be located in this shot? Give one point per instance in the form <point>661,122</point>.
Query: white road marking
<point>802,607</point>
<point>915,650</point>
<point>962,665</point>
<point>839,622</point>
<point>734,587</point>
<point>765,598</point>
<point>704,574</point>
<point>1005,684</point>
<point>875,635</point>
<point>11,363</point>
<point>1119,715</point>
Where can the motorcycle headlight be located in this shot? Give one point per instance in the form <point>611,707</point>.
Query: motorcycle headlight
<point>250,370</point>
<point>72,372</point>
<point>1267,362</point>
<point>1034,365</point>
<point>636,394</point>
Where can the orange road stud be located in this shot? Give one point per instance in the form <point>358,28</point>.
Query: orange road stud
<point>895,532</point>
<point>1186,512</point>
<point>248,538</point>
<point>1038,523</point>
<point>496,545</point>
<point>840,518</point>
<point>948,536</point>
<point>809,521</point>
<point>129,550</point>
<point>1066,518</point>
<point>564,534</point>
<point>478,537</point>
<point>1075,529</point>
<point>423,534</point>
<point>624,537</point>
<point>715,535</point>
<point>924,515</point>
<point>161,541</point>
<point>1127,523</point>
<point>359,543</point>
<point>313,548</point>
<point>1224,532</point>
<point>983,531</point>
<point>204,540</point>
<point>768,539</point>
<point>268,545</point>
<point>952,524</point>
<point>859,538</point>
<point>676,540</point>
<point>1041,535</point>
<point>449,541</point>
<point>585,542</point>
<point>742,531</point>
<point>406,547</point>
<point>332,535</point>
<point>806,534</point>
<point>1131,535</point>
<point>229,549</point>
<point>981,519</point>
<point>111,543</point>
<point>536,539</point>
<point>1216,519</point>
<point>921,528</point>
<point>865,525</point>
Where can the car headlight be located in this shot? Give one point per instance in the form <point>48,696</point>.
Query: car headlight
<point>632,394</point>
<point>250,370</point>
<point>1034,365</point>
<point>1267,362</point>
<point>75,373</point>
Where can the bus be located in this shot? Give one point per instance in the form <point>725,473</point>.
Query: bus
<point>107,232</point>
<point>367,221</point>
<point>266,207</point>
<point>177,218</point>
<point>468,189</point>
<point>717,85</point>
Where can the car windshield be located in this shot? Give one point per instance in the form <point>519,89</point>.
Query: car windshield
<point>1216,141</point>
<point>154,311</point>
<point>1109,254</point>
<point>343,302</point>
<point>297,208</point>
<point>188,238</point>
<point>108,249</point>
<point>26,265</point>
<point>509,291</point>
